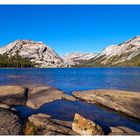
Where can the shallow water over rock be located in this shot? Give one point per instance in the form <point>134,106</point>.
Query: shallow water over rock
<point>65,110</point>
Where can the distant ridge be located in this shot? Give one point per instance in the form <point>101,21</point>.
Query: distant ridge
<point>28,53</point>
<point>77,57</point>
<point>125,54</point>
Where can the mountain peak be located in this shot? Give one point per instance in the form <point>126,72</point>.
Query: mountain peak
<point>138,36</point>
<point>26,41</point>
<point>37,52</point>
<point>115,54</point>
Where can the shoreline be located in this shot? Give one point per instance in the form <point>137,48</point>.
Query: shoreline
<point>69,67</point>
<point>34,91</point>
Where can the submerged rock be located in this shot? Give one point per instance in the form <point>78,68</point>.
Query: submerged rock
<point>119,100</point>
<point>45,125</point>
<point>84,126</point>
<point>120,130</point>
<point>10,124</point>
<point>40,95</point>
<point>13,95</point>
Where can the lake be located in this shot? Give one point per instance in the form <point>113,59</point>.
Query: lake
<point>74,79</point>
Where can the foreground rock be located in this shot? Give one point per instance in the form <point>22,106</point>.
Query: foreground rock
<point>40,95</point>
<point>119,100</point>
<point>42,124</point>
<point>84,126</point>
<point>13,95</point>
<point>10,124</point>
<point>120,130</point>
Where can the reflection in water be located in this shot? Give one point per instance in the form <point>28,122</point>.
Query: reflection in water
<point>65,110</point>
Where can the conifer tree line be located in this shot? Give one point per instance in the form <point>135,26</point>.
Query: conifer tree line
<point>15,61</point>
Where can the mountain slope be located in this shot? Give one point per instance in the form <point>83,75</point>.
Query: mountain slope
<point>117,54</point>
<point>36,52</point>
<point>135,61</point>
<point>77,58</point>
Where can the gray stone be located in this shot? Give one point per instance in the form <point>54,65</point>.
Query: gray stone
<point>123,101</point>
<point>10,124</point>
<point>13,95</point>
<point>47,126</point>
<point>120,130</point>
<point>40,95</point>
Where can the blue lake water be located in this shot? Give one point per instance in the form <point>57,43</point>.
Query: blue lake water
<point>73,79</point>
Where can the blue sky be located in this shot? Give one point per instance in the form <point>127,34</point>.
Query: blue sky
<point>70,28</point>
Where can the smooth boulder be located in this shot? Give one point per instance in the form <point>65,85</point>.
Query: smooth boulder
<point>84,126</point>
<point>123,101</point>
<point>13,95</point>
<point>43,124</point>
<point>10,123</point>
<point>120,130</point>
<point>40,95</point>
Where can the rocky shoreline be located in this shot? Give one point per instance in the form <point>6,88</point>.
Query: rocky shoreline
<point>119,100</point>
<point>43,124</point>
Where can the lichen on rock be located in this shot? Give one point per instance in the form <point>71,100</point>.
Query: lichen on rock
<point>84,126</point>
